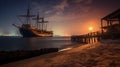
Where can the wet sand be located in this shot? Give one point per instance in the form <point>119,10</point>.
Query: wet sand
<point>101,54</point>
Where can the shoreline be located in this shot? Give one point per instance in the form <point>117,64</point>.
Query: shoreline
<point>17,55</point>
<point>12,56</point>
<point>101,54</point>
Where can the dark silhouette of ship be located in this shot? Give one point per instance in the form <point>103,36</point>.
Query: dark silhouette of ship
<point>27,29</point>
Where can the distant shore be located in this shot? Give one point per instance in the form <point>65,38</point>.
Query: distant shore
<point>101,54</point>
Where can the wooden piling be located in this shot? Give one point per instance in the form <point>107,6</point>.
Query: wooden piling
<point>87,38</point>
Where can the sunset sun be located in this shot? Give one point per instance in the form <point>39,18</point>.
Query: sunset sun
<point>90,28</point>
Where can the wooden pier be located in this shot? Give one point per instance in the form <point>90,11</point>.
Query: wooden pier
<point>87,38</point>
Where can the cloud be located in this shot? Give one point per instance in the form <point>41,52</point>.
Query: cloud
<point>80,6</point>
<point>68,16</point>
<point>58,9</point>
<point>84,1</point>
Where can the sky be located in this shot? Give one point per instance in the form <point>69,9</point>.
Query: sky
<point>66,17</point>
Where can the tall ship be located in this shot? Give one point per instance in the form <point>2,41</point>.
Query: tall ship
<point>39,29</point>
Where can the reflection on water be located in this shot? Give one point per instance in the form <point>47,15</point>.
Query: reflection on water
<point>19,43</point>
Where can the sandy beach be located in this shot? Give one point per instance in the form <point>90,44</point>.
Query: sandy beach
<point>101,54</point>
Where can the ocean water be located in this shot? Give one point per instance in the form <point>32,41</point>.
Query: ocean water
<point>34,43</point>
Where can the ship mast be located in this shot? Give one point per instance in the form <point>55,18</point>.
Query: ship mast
<point>27,16</point>
<point>37,21</point>
<point>40,23</point>
<point>43,22</point>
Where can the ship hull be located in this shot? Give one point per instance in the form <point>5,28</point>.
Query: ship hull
<point>33,33</point>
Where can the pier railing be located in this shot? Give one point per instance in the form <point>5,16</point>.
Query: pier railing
<point>87,38</point>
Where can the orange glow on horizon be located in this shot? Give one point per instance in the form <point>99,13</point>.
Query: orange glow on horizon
<point>77,28</point>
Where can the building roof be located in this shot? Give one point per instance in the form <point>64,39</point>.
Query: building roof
<point>113,16</point>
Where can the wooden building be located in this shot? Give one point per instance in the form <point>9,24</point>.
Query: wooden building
<point>110,25</point>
